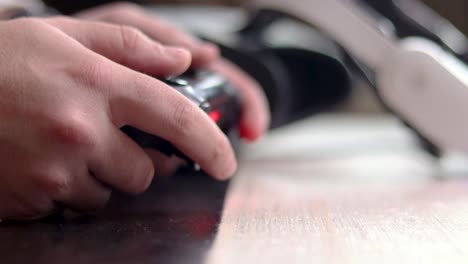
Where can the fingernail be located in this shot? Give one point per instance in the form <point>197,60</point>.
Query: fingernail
<point>247,133</point>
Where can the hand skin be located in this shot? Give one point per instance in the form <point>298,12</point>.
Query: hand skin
<point>255,118</point>
<point>66,88</point>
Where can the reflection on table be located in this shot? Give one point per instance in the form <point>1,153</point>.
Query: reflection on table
<point>175,222</point>
<point>344,189</point>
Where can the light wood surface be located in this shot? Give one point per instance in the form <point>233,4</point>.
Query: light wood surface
<point>344,190</point>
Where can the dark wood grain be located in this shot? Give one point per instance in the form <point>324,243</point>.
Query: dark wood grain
<point>175,222</point>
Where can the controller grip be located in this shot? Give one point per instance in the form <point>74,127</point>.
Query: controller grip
<point>213,94</point>
<point>149,141</point>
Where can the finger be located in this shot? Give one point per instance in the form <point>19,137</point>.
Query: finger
<point>15,206</point>
<point>127,46</point>
<point>158,109</point>
<point>167,166</point>
<point>255,118</point>
<point>203,53</point>
<point>24,199</point>
<point>120,162</point>
<point>85,193</point>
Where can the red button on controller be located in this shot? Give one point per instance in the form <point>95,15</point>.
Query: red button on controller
<point>215,115</point>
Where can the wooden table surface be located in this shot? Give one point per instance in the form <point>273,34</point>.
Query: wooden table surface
<point>335,189</point>
<point>340,189</point>
<point>344,190</point>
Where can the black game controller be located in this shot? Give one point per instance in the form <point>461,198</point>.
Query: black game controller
<point>212,93</point>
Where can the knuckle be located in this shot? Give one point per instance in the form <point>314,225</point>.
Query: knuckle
<point>57,186</point>
<point>74,130</point>
<point>53,182</point>
<point>184,118</point>
<point>158,49</point>
<point>91,74</point>
<point>130,37</point>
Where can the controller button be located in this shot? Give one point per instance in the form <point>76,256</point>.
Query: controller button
<point>177,82</point>
<point>215,115</point>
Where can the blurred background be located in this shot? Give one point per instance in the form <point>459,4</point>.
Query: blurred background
<point>455,10</point>
<point>362,99</point>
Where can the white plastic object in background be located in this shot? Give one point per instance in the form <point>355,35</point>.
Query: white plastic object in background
<point>429,88</point>
<point>425,85</point>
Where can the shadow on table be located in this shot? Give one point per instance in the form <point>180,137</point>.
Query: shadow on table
<point>175,222</point>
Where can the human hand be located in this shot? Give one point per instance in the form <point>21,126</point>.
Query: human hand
<point>255,117</point>
<point>66,89</point>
